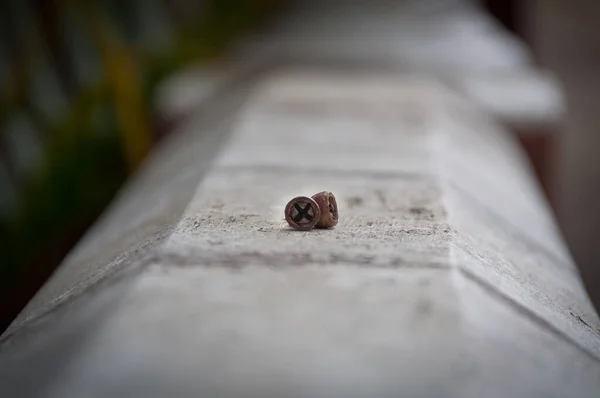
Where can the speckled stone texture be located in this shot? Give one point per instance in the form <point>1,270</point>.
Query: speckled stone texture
<point>445,276</point>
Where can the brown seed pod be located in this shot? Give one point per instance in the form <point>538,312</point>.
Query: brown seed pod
<point>329,210</point>
<point>302,213</point>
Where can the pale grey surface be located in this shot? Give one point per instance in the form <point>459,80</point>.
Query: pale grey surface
<point>445,276</point>
<point>454,41</point>
<point>442,37</point>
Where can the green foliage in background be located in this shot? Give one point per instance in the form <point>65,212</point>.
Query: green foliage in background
<point>90,111</point>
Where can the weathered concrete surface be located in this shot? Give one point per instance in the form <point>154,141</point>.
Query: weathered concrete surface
<point>445,276</point>
<point>146,210</point>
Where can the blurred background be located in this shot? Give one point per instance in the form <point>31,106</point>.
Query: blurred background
<point>78,79</point>
<point>79,83</point>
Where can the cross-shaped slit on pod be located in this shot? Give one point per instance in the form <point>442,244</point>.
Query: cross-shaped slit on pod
<point>303,213</point>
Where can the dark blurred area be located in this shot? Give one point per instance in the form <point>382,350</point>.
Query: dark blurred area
<point>77,117</point>
<point>78,81</point>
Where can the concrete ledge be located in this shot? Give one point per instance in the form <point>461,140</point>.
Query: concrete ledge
<point>446,275</point>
